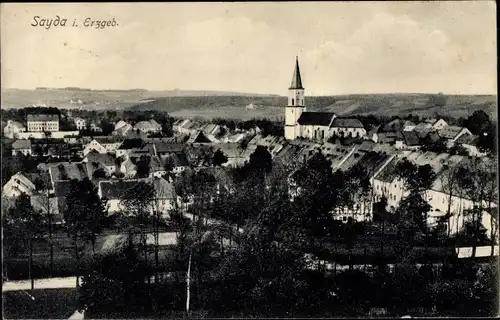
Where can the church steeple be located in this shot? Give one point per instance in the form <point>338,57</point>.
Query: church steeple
<point>296,80</point>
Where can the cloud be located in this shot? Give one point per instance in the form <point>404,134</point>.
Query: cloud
<point>389,50</point>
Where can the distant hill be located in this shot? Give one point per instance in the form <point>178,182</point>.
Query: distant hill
<point>360,104</point>
<point>74,97</point>
<point>209,104</point>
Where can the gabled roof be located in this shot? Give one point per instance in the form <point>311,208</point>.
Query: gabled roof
<point>199,137</point>
<point>120,124</point>
<point>468,139</point>
<point>408,123</point>
<point>450,132</point>
<point>102,158</point>
<point>42,117</point>
<point>179,159</point>
<point>316,118</point>
<point>162,147</point>
<point>150,124</point>
<point>17,124</point>
<point>21,144</point>
<point>68,171</point>
<point>410,138</point>
<point>21,178</point>
<point>133,143</point>
<point>296,79</point>
<point>366,146</point>
<point>346,123</point>
<point>118,189</point>
<point>108,139</point>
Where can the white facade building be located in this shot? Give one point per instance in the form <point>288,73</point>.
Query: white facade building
<point>43,122</point>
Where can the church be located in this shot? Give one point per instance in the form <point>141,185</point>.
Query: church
<point>317,126</point>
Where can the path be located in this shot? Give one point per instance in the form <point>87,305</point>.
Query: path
<point>49,283</point>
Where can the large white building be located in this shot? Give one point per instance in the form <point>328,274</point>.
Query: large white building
<point>43,122</point>
<point>317,126</point>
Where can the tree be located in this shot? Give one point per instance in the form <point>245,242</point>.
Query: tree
<point>113,283</point>
<point>449,183</point>
<point>84,212</point>
<point>260,161</point>
<point>100,173</point>
<point>143,166</point>
<point>437,100</point>
<point>138,202</point>
<point>413,209</point>
<point>24,222</point>
<point>219,158</point>
<point>474,182</point>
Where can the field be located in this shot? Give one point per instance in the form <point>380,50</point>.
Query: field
<point>189,104</point>
<point>272,107</point>
<point>92,99</point>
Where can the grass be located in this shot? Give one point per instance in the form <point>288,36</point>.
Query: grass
<point>48,304</point>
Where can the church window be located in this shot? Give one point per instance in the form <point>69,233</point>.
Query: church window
<point>293,100</point>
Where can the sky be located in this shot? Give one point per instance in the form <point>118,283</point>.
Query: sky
<point>343,47</point>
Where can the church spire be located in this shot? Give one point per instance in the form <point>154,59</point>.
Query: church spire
<point>296,80</point>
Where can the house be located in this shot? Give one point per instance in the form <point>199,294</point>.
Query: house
<point>17,185</point>
<point>103,144</point>
<point>21,147</point>
<point>234,138</point>
<point>178,162</point>
<point>65,171</point>
<point>213,132</point>
<point>436,124</point>
<point>471,144</point>
<point>42,122</point>
<point>165,198</point>
<point>161,148</point>
<point>387,183</point>
<point>236,156</point>
<point>156,167</point>
<point>408,125</point>
<point>128,168</point>
<point>147,150</point>
<point>122,128</point>
<point>12,129</point>
<point>49,205</point>
<point>150,126</point>
<point>115,191</point>
<point>177,124</point>
<point>452,133</point>
<point>198,137</point>
<point>94,127</point>
<point>372,163</point>
<point>347,127</point>
<point>130,145</point>
<point>189,127</point>
<point>103,160</point>
<point>407,140</point>
<point>81,124</point>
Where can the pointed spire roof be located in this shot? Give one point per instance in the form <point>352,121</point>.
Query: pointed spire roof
<point>296,80</point>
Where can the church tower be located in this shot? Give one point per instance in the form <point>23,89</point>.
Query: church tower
<point>295,105</point>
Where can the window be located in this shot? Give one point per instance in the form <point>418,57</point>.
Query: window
<point>293,100</point>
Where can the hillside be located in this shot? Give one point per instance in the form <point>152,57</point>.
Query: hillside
<point>246,107</point>
<point>73,97</point>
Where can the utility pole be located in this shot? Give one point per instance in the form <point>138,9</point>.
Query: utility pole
<point>188,284</point>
